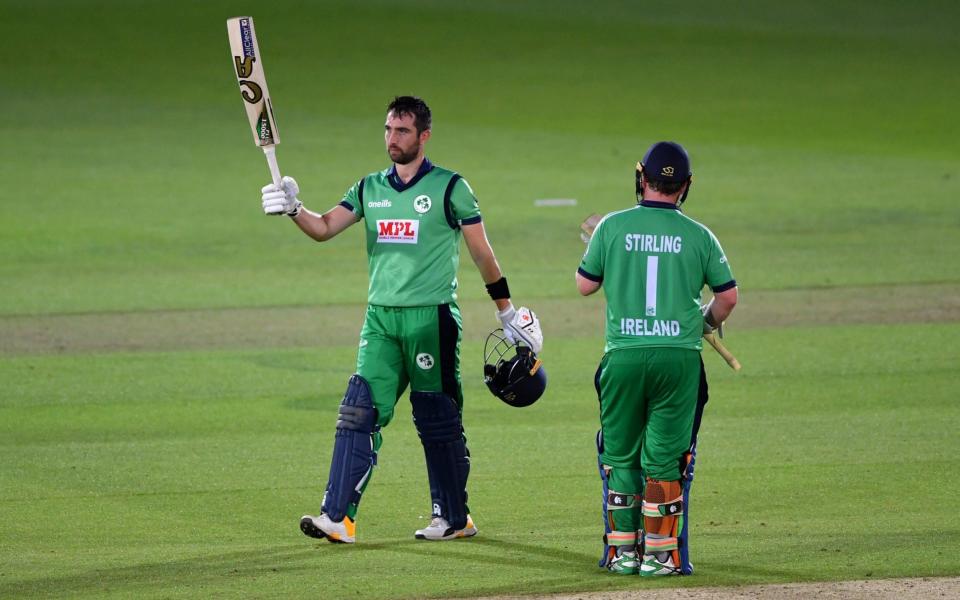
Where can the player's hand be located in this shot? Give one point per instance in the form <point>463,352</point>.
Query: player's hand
<point>587,227</point>
<point>282,200</point>
<point>707,327</point>
<point>521,325</point>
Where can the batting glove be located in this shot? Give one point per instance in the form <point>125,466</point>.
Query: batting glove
<point>521,326</point>
<point>282,200</point>
<point>707,327</point>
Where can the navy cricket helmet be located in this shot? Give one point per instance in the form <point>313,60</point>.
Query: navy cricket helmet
<point>665,161</point>
<point>511,371</point>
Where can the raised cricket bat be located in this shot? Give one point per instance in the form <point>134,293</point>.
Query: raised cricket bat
<point>587,227</point>
<point>253,88</point>
<point>722,350</point>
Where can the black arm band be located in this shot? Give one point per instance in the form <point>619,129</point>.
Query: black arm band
<point>498,290</point>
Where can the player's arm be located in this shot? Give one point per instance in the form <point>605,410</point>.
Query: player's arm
<point>475,237</point>
<point>321,227</point>
<point>586,286</point>
<point>719,277</point>
<point>720,307</point>
<point>519,325</point>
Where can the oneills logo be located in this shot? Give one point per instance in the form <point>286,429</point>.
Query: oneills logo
<point>667,171</point>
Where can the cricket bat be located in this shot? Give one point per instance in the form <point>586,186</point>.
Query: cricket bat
<point>253,88</point>
<point>587,227</point>
<point>722,350</point>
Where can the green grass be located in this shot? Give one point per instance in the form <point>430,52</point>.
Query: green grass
<point>171,360</point>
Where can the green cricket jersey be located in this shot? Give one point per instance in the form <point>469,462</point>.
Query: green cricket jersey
<point>652,261</point>
<point>413,233</point>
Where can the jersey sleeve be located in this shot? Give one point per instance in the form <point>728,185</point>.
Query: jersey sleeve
<point>463,203</point>
<point>591,265</point>
<point>719,276</point>
<point>353,199</point>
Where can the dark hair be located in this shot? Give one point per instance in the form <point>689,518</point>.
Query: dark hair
<point>667,188</point>
<point>411,105</point>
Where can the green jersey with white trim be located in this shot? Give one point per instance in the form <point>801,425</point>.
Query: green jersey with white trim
<point>652,262</point>
<point>413,233</point>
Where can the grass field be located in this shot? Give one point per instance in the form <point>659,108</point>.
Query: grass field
<point>171,360</point>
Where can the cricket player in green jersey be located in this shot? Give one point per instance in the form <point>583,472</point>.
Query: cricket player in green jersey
<point>415,214</point>
<point>652,262</point>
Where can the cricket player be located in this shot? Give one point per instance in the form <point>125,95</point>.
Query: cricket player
<point>652,262</point>
<point>414,213</point>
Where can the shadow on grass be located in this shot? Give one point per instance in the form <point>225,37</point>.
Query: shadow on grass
<point>144,577</point>
<point>494,552</point>
<point>511,568</point>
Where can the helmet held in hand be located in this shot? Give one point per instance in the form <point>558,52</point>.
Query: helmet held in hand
<point>512,371</point>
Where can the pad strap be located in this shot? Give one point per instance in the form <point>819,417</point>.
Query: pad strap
<point>654,543</point>
<point>619,500</point>
<point>666,509</point>
<point>622,538</point>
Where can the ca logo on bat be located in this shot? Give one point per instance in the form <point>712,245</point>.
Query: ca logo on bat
<point>244,65</point>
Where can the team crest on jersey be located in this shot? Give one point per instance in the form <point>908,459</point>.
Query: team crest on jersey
<point>422,204</point>
<point>397,231</point>
<point>424,361</point>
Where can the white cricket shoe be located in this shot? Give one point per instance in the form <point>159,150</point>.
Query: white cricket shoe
<point>342,532</point>
<point>440,530</point>
<point>652,566</point>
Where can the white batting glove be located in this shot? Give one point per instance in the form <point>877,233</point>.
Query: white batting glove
<point>282,200</point>
<point>521,326</point>
<point>707,327</point>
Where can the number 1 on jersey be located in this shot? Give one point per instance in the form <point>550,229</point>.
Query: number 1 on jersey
<point>652,264</point>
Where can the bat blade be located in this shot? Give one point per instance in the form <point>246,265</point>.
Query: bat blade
<point>587,227</point>
<point>248,67</point>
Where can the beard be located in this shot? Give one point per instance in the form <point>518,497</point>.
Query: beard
<point>404,158</point>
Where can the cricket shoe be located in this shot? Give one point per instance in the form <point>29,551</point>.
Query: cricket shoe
<point>652,566</point>
<point>626,562</point>
<point>342,532</point>
<point>440,530</point>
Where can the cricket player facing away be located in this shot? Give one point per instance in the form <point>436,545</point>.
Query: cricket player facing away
<point>652,262</point>
<point>415,213</point>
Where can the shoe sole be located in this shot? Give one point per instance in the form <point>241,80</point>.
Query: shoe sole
<point>311,530</point>
<point>662,572</point>
<point>446,537</point>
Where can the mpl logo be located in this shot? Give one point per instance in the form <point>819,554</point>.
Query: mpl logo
<point>397,231</point>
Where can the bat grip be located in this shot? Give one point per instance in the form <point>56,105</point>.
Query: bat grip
<point>271,153</point>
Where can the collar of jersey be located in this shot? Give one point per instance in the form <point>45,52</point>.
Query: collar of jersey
<point>425,167</point>
<point>655,204</point>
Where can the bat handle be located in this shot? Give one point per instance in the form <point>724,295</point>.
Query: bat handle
<point>271,153</point>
